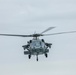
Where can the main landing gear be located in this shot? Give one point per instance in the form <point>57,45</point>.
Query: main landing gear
<point>29,56</point>
<point>46,55</point>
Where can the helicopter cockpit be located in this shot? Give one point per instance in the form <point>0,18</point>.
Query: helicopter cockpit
<point>35,44</point>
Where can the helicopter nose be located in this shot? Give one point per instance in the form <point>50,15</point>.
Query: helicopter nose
<point>38,49</point>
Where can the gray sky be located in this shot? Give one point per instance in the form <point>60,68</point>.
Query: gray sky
<point>26,17</point>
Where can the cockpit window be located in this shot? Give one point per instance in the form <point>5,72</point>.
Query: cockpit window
<point>36,43</point>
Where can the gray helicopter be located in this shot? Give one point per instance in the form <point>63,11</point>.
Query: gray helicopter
<point>37,46</point>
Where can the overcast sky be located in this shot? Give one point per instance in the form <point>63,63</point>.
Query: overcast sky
<point>27,17</point>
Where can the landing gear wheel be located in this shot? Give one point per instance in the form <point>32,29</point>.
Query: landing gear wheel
<point>29,56</point>
<point>37,58</point>
<point>46,55</point>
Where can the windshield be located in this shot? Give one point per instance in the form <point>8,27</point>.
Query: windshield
<point>36,44</point>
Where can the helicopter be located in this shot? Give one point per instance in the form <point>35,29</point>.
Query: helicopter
<point>37,46</point>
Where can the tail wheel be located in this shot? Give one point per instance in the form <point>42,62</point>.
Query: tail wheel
<point>37,58</point>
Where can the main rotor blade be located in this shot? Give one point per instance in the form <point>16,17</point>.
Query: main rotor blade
<point>59,33</point>
<point>16,35</point>
<point>50,28</point>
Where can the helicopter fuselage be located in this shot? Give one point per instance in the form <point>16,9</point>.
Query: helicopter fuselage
<point>36,47</point>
